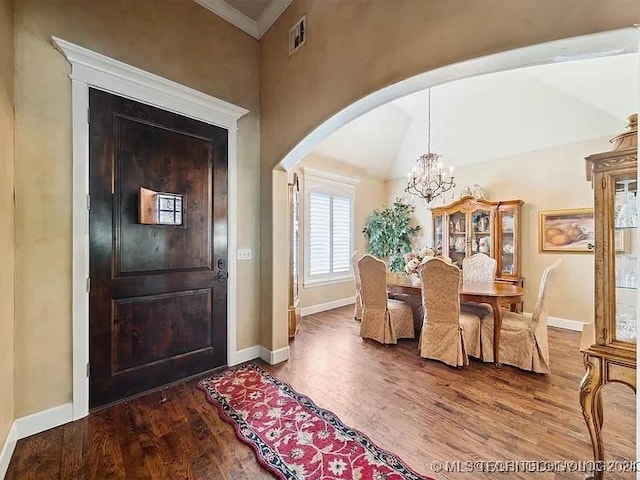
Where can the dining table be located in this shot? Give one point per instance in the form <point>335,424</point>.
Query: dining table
<point>494,294</point>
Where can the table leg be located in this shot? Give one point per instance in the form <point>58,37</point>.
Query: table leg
<point>497,326</point>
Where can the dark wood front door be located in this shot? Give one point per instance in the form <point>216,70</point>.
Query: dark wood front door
<point>158,292</point>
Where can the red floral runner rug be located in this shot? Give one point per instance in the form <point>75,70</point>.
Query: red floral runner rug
<point>292,436</point>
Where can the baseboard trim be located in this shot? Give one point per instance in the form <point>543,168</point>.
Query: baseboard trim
<point>565,323</point>
<point>245,355</point>
<point>56,416</point>
<point>7,449</point>
<point>273,357</point>
<point>323,307</point>
<point>280,356</point>
<point>41,421</point>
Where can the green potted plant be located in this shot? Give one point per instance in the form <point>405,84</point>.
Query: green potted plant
<point>389,231</point>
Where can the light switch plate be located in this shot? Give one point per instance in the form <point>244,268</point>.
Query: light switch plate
<point>244,254</point>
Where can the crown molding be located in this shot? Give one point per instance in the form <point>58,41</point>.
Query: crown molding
<point>231,15</point>
<point>271,14</point>
<point>244,23</point>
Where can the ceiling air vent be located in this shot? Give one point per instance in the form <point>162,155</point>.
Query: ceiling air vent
<point>298,35</point>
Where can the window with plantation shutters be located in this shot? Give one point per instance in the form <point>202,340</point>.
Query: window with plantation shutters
<point>329,227</point>
<point>340,234</point>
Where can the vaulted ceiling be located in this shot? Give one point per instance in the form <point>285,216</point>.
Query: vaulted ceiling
<point>493,116</point>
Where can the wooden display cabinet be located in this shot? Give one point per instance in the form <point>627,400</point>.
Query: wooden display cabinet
<point>470,225</point>
<point>609,344</point>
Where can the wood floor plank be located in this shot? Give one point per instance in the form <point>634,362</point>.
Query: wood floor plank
<point>105,456</point>
<point>421,410</point>
<point>74,463</point>
<point>37,457</point>
<point>133,456</point>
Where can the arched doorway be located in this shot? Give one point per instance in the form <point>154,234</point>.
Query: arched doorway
<point>602,44</point>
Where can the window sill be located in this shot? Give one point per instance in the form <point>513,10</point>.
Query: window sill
<point>327,281</point>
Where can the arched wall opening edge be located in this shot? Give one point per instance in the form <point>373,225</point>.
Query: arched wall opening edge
<point>614,42</point>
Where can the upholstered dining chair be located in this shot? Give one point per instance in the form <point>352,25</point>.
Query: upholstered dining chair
<point>448,334</point>
<point>357,314</point>
<point>384,320</point>
<point>523,337</point>
<point>479,268</point>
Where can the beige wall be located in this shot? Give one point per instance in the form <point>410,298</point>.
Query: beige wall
<point>370,193</point>
<point>355,48</point>
<point>6,220</point>
<point>546,180</point>
<point>178,40</point>
<point>183,42</point>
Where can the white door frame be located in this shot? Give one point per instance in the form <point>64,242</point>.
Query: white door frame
<point>90,69</point>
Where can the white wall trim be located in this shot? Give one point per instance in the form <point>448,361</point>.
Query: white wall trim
<point>231,15</point>
<point>323,307</point>
<point>100,71</point>
<point>80,257</point>
<point>41,421</point>
<point>319,175</point>
<point>270,14</point>
<point>331,184</point>
<point>235,17</point>
<point>273,357</point>
<point>245,355</point>
<point>323,282</point>
<point>7,449</point>
<point>259,351</point>
<point>90,69</point>
<point>565,323</point>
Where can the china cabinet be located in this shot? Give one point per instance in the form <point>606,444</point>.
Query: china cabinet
<point>609,344</point>
<point>471,225</point>
<point>294,257</point>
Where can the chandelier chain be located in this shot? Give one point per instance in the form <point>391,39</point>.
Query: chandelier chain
<point>429,121</point>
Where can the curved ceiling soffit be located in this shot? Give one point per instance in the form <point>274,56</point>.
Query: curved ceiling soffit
<point>614,42</point>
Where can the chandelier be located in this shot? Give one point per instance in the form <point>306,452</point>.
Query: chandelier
<point>428,179</point>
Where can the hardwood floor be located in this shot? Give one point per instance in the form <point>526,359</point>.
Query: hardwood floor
<point>421,410</point>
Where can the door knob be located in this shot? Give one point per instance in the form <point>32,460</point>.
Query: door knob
<point>222,276</point>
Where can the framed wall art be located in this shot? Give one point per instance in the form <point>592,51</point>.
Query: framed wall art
<point>566,230</point>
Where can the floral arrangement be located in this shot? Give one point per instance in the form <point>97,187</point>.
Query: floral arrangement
<point>414,261</point>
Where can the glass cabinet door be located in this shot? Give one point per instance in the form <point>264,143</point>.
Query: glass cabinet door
<point>481,241</point>
<point>626,250</point>
<point>457,237</point>
<point>438,233</point>
<point>507,243</point>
